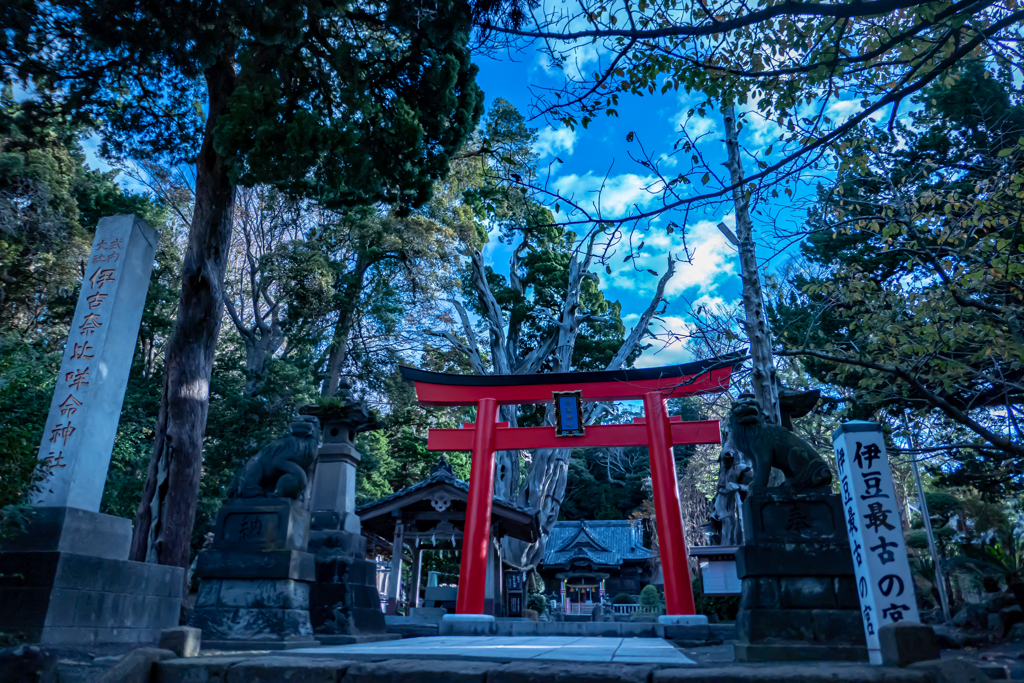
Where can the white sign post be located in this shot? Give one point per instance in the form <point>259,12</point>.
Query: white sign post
<point>884,582</point>
<point>86,406</point>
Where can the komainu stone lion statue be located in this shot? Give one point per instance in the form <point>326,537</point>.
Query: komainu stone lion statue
<point>769,445</point>
<point>282,468</point>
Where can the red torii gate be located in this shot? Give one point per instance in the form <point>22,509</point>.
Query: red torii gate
<point>656,430</point>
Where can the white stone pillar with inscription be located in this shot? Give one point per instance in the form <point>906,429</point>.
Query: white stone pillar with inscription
<point>884,583</point>
<point>86,406</point>
<point>72,559</point>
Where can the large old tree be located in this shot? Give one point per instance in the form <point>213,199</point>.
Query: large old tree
<point>342,102</point>
<point>547,315</point>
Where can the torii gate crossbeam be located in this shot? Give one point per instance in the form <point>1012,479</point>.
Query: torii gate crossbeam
<point>656,430</point>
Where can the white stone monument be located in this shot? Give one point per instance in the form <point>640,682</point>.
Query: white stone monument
<point>86,406</point>
<point>67,577</point>
<point>884,583</point>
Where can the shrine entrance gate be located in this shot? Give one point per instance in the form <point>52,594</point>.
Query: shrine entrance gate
<point>656,430</point>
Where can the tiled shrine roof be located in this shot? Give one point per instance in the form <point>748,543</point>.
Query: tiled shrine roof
<point>438,477</point>
<point>603,542</point>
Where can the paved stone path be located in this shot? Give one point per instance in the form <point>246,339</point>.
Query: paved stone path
<point>564,648</point>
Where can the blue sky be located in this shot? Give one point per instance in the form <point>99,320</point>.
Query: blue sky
<point>656,121</point>
<point>589,154</point>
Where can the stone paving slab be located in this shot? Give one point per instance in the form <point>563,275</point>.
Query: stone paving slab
<point>817,672</point>
<point>567,648</point>
<point>299,669</point>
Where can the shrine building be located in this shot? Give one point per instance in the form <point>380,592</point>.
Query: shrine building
<point>584,561</point>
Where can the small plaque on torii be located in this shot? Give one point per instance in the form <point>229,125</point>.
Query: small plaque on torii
<point>568,413</point>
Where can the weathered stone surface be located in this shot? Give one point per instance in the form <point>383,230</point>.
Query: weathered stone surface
<point>414,629</point>
<point>136,667</point>
<point>807,592</point>
<point>82,600</point>
<point>184,641</point>
<point>196,670</point>
<point>358,639</point>
<point>688,633</point>
<point>793,673</point>
<point>71,530</point>
<point>418,671</point>
<point>761,591</point>
<point>281,564</point>
<point>838,626</point>
<point>1007,619</point>
<point>428,612</point>
<point>531,614</point>
<point>794,561</point>
<point>994,602</point>
<point>757,624</point>
<point>950,671</point>
<point>276,593</point>
<point>971,616</point>
<point>27,663</point>
<point>569,672</point>
<point>846,593</point>
<point>905,642</point>
<point>257,624</point>
<point>261,524</point>
<point>468,628</point>
<point>1016,632</point>
<point>291,669</point>
<point>795,651</point>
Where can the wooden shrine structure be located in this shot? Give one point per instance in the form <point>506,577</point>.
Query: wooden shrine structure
<point>431,516</point>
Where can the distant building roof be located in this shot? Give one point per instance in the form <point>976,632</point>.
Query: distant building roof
<point>378,516</point>
<point>601,542</point>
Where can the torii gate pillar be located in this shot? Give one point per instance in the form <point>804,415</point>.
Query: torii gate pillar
<point>657,431</point>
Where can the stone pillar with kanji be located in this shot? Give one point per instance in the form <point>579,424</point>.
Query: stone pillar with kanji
<point>885,586</point>
<point>68,580</point>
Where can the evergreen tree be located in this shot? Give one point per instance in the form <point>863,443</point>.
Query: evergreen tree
<point>342,102</point>
<point>912,296</point>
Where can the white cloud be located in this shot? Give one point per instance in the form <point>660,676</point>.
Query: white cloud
<point>713,257</point>
<point>553,141</point>
<point>696,125</point>
<point>672,353</point>
<point>617,196</point>
<point>667,161</point>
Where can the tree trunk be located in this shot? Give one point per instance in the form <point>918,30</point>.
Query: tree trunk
<point>346,315</point>
<point>763,376</point>
<point>163,524</point>
<point>763,379</point>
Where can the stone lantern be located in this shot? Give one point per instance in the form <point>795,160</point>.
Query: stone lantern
<point>344,602</point>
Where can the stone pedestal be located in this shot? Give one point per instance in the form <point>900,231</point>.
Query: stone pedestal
<point>799,599</point>
<point>256,577</point>
<point>344,600</point>
<point>67,582</point>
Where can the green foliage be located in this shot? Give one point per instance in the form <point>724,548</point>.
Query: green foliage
<point>369,103</point>
<point>911,296</point>
<point>623,599</point>
<point>723,607</point>
<point>538,602</point>
<point>918,539</point>
<point>649,596</point>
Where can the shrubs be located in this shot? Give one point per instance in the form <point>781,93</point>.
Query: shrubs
<point>538,602</point>
<point>623,599</point>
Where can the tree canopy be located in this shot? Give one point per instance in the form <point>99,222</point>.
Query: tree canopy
<point>911,293</point>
